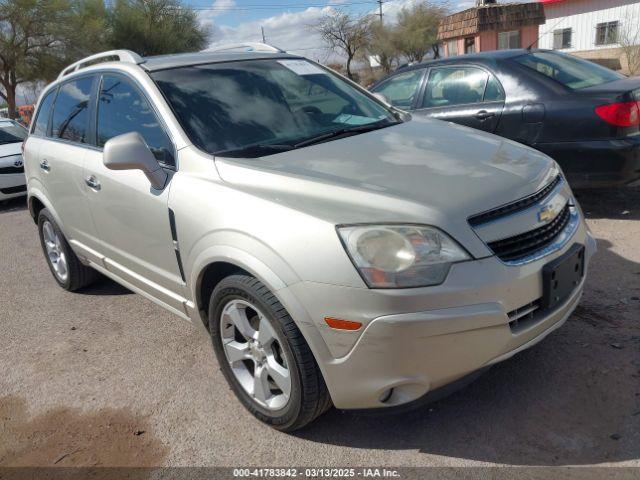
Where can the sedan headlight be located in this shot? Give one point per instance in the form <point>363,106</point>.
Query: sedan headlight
<point>401,256</point>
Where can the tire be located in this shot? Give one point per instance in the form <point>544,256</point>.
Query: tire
<point>283,344</point>
<point>55,245</point>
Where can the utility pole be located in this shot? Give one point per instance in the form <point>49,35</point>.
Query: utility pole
<point>380,9</point>
<point>264,40</point>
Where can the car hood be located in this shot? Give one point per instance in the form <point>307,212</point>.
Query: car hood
<point>421,171</point>
<point>10,149</point>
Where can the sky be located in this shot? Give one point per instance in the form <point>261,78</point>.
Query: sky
<point>288,23</point>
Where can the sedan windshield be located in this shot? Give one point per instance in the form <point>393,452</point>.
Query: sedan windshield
<point>260,107</point>
<point>571,72</point>
<point>11,132</point>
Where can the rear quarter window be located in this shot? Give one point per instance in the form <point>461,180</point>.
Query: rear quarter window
<point>574,73</point>
<point>42,116</point>
<point>71,110</point>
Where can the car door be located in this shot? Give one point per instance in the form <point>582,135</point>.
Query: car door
<point>62,150</point>
<point>402,89</point>
<point>467,95</point>
<point>132,217</point>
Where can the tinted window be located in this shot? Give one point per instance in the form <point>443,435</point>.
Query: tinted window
<point>12,132</point>
<point>42,117</point>
<point>571,72</point>
<point>71,111</point>
<point>494,91</point>
<point>454,86</point>
<point>122,109</point>
<point>401,89</point>
<point>261,107</point>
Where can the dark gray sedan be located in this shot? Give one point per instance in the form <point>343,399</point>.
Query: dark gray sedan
<point>585,116</point>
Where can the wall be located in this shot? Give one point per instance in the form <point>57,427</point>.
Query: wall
<point>489,39</point>
<point>582,16</point>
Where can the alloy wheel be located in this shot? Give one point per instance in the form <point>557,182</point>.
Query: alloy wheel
<point>255,354</point>
<point>55,252</point>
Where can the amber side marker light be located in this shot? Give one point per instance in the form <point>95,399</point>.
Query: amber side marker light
<point>342,324</point>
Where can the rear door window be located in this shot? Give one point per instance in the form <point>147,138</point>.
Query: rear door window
<point>123,109</point>
<point>71,110</point>
<point>42,117</point>
<point>401,90</point>
<point>450,86</point>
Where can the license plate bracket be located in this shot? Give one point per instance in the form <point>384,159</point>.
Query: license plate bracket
<point>561,276</point>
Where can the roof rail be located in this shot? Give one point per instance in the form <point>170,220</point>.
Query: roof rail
<point>110,56</point>
<point>245,47</point>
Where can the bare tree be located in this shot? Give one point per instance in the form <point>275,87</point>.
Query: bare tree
<point>346,34</point>
<point>629,39</point>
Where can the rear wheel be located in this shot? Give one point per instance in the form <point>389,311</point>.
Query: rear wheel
<point>263,355</point>
<point>65,266</point>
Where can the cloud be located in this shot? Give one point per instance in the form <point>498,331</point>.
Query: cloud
<point>217,8</point>
<point>293,31</point>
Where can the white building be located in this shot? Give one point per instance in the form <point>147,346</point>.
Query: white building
<point>590,28</point>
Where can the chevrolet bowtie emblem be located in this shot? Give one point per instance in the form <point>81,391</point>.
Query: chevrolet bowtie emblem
<point>546,214</point>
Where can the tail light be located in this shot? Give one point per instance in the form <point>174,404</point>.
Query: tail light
<point>623,114</point>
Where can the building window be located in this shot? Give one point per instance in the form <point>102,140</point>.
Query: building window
<point>507,40</point>
<point>452,48</point>
<point>470,45</point>
<point>562,38</point>
<point>607,33</point>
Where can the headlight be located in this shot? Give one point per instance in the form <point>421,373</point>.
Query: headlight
<point>399,256</point>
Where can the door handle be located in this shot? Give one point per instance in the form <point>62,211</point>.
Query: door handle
<point>92,182</point>
<point>44,165</point>
<point>483,115</point>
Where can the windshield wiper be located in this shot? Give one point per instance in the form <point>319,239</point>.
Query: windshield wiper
<point>260,149</point>
<point>257,150</point>
<point>344,131</point>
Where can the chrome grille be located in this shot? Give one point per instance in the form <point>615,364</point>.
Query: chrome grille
<point>524,244</point>
<point>514,207</point>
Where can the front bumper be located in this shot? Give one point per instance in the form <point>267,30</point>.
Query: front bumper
<point>597,163</point>
<point>12,185</point>
<point>450,331</point>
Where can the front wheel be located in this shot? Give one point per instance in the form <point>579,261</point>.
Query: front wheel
<point>263,355</point>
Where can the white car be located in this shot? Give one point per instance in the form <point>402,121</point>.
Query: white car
<point>12,179</point>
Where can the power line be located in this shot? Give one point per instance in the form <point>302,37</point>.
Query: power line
<point>280,6</point>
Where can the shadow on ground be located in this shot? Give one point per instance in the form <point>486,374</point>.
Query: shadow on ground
<point>13,205</point>
<point>105,286</point>
<point>613,203</point>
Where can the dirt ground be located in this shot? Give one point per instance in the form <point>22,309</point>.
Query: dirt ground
<point>106,378</point>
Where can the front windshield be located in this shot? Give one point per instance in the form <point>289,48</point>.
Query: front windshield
<point>11,132</point>
<point>275,104</point>
<point>571,72</point>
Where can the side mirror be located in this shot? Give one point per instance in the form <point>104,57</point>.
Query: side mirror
<point>130,152</point>
<point>382,97</point>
